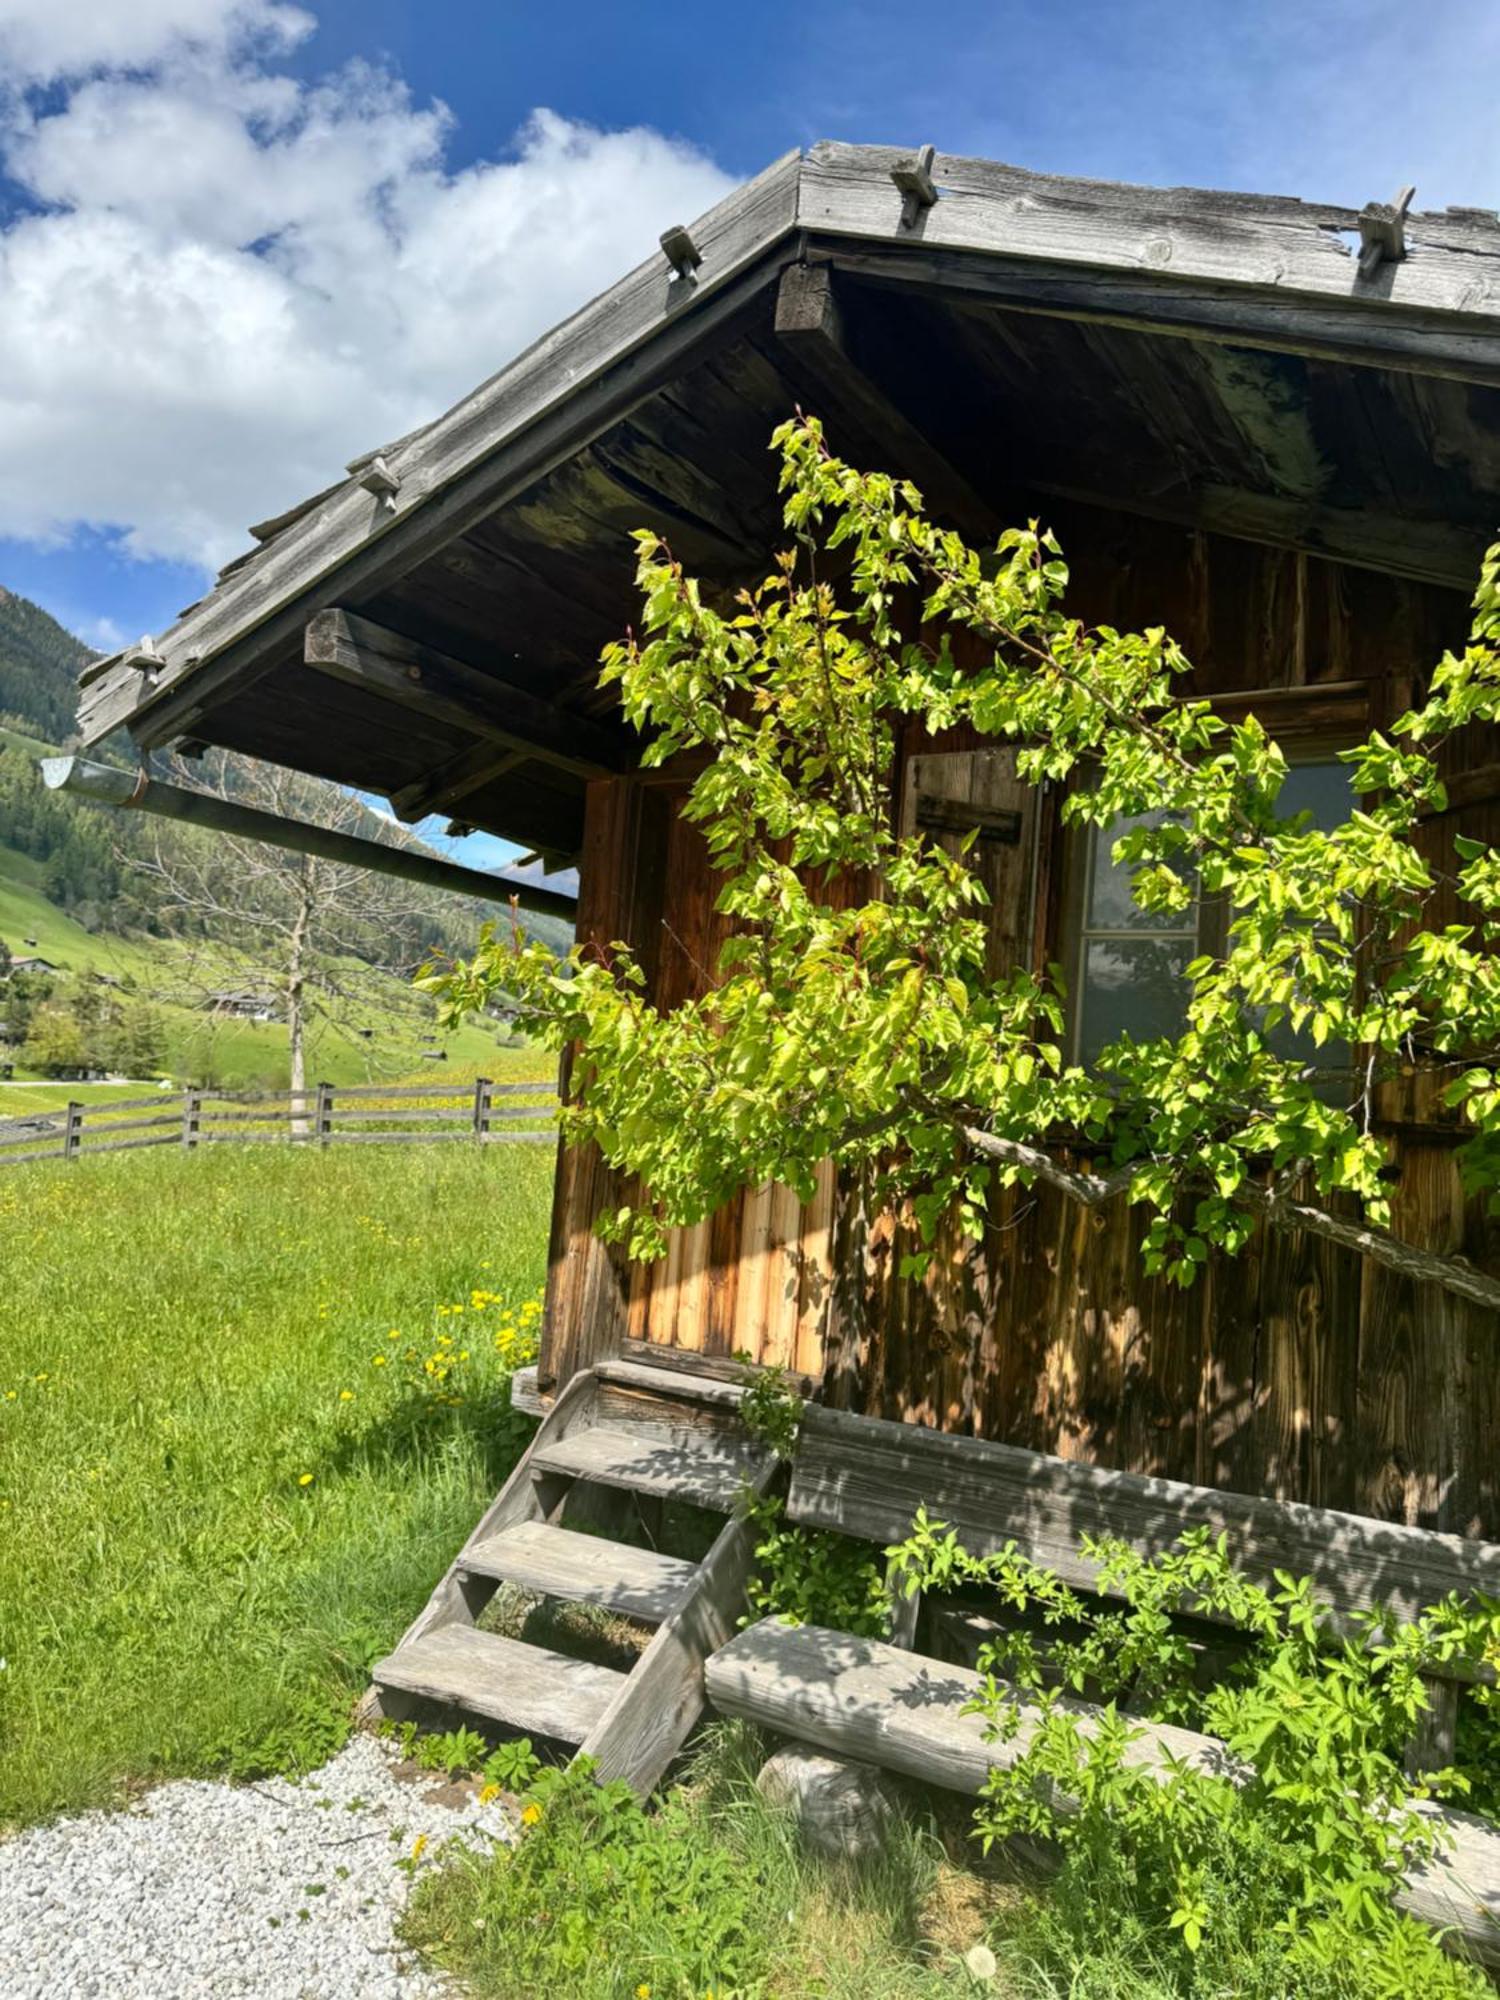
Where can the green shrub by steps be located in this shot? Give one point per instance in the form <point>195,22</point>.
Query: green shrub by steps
<point>228,1476</point>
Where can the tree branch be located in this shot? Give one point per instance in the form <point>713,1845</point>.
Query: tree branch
<point>1424,1267</point>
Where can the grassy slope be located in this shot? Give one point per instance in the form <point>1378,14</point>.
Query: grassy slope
<point>176,1332</point>
<point>238,1052</point>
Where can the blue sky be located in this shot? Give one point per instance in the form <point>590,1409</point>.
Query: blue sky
<point>241,240</point>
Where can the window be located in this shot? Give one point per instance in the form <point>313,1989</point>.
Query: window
<point>1127,971</point>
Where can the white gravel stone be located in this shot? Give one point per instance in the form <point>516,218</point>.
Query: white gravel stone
<point>287,1890</point>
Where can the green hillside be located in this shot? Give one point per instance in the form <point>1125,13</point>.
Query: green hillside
<point>234,1054</point>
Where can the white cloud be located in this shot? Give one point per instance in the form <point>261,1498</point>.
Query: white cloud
<point>224,281</point>
<point>44,39</point>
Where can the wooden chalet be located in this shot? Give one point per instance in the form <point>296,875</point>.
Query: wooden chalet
<point>1270,425</point>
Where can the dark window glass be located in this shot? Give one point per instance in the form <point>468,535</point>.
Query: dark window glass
<point>1130,962</point>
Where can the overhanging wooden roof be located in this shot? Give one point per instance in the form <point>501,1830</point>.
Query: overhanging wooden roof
<point>429,626</point>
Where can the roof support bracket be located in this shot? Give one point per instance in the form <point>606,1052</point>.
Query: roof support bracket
<point>1382,232</point>
<point>918,189</point>
<point>377,477</point>
<point>681,252</point>
<point>403,671</point>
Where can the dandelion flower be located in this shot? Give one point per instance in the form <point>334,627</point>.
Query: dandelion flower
<point>981,1962</point>
<point>346,1395</point>
<point>306,1479</point>
<point>488,1794</point>
<point>530,1814</point>
<point>643,1991</point>
<point>419,1847</point>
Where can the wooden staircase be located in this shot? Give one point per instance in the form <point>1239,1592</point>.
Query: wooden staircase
<point>635,1429</point>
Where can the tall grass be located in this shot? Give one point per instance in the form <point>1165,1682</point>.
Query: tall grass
<point>216,1507</point>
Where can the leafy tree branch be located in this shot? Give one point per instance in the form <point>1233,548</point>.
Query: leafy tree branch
<point>852,1016</point>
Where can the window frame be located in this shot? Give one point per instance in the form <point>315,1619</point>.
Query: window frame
<point>1082,848</point>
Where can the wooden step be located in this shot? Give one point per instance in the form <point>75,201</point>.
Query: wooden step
<point>555,1562</point>
<point>528,1688</point>
<point>678,1383</point>
<point>706,1469</point>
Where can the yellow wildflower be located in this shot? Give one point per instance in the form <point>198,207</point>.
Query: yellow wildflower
<point>530,1814</point>
<point>378,1360</point>
<point>419,1847</point>
<point>488,1794</point>
<point>643,1991</point>
<point>306,1479</point>
<point>346,1395</point>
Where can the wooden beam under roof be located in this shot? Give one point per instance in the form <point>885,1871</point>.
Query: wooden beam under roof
<point>448,786</point>
<point>811,325</point>
<point>365,655</point>
<point>1437,552</point>
<point>1444,345</point>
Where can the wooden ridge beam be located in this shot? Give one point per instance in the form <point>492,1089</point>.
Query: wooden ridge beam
<point>813,329</point>
<point>370,657</point>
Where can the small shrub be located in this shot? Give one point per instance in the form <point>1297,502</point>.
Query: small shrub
<point>1272,1876</point>
<point>812,1576</point>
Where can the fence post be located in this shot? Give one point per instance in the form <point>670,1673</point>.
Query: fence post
<point>481,1106</point>
<point>73,1130</point>
<point>323,1115</point>
<point>192,1104</point>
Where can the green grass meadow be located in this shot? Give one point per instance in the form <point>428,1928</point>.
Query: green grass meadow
<point>217,1506</point>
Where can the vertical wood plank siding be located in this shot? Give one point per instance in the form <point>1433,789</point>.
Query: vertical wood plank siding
<point>1292,1370</point>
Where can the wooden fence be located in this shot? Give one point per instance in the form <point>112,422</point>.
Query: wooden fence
<point>325,1114</point>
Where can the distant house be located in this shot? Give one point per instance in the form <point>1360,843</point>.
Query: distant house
<point>34,965</point>
<point>242,1006</point>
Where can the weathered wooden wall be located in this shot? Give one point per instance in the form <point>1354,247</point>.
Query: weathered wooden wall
<point>1291,1370</point>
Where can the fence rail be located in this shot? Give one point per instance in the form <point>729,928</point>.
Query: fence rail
<point>315,1116</point>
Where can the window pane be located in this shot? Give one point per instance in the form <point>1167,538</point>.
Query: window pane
<point>1132,986</point>
<point>1111,905</point>
<point>1325,790</point>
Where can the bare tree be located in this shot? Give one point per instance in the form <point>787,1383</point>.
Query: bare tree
<point>316,939</point>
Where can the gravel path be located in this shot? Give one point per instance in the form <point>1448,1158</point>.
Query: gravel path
<point>284,1890</point>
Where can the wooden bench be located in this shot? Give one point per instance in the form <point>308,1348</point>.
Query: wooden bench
<point>866,1699</point>
<point>867,1478</point>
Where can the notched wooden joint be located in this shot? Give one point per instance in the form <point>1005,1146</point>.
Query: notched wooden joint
<point>378,478</point>
<point>1382,232</point>
<point>918,189</point>
<point>145,658</point>
<point>681,252</point>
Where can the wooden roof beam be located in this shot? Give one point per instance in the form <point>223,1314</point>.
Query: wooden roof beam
<point>1438,552</point>
<point>812,328</point>
<point>370,657</point>
<point>1449,346</point>
<point>448,786</point>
